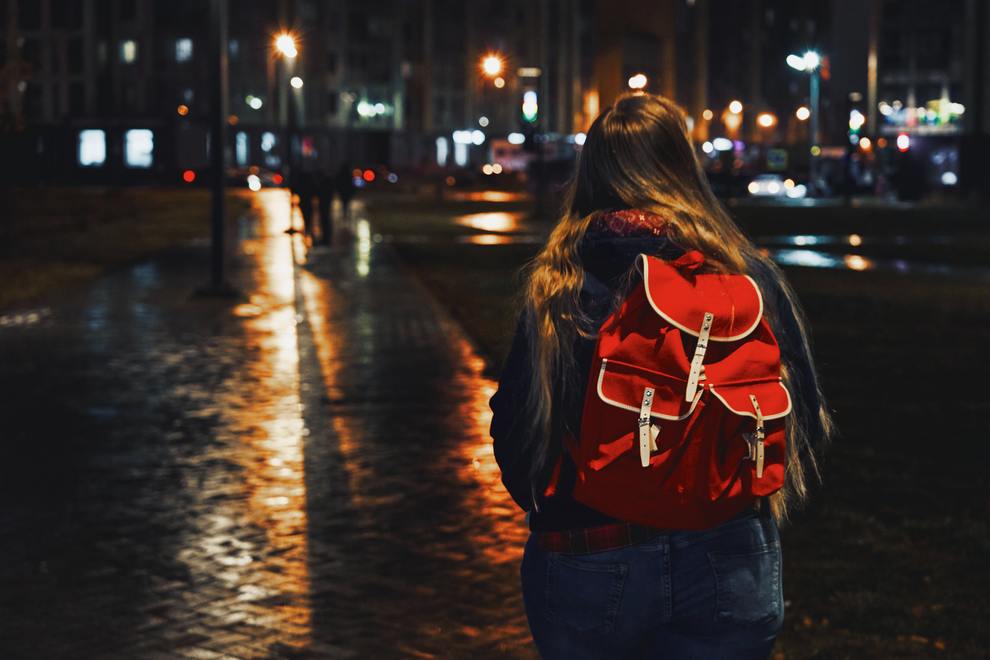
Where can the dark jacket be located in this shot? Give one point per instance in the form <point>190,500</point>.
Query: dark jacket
<point>606,258</point>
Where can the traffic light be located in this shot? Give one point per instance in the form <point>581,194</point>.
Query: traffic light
<point>530,107</point>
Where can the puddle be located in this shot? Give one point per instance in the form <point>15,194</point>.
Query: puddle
<point>486,196</point>
<point>501,239</point>
<point>855,240</point>
<point>817,259</point>
<point>497,221</point>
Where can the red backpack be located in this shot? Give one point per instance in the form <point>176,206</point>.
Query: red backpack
<point>683,420</point>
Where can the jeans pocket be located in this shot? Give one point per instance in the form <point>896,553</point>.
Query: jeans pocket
<point>748,586</point>
<point>584,595</point>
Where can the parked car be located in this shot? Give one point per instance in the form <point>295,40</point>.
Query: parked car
<point>774,185</point>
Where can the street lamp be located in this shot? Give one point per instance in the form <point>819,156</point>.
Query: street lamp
<point>285,45</point>
<point>766,119</point>
<point>637,81</point>
<point>492,65</point>
<point>732,118</point>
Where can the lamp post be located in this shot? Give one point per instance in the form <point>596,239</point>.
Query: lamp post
<point>284,47</point>
<point>809,63</point>
<point>218,144</point>
<point>732,118</point>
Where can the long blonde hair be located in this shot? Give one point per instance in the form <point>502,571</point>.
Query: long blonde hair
<point>638,155</point>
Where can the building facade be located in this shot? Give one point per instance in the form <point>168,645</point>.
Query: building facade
<point>120,90</point>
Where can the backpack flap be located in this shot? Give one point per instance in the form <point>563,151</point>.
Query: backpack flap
<point>684,298</point>
<point>714,307</point>
<point>623,386</point>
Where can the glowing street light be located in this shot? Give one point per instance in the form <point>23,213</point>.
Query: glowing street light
<point>285,45</point>
<point>807,62</point>
<point>802,113</point>
<point>296,82</point>
<point>492,65</point>
<point>766,119</point>
<point>637,81</point>
<point>856,120</point>
<point>736,107</point>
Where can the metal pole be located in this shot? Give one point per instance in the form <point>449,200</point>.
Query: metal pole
<point>218,141</point>
<point>871,68</point>
<point>286,117</point>
<point>813,126</point>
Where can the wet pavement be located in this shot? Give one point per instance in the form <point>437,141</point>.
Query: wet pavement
<point>303,472</point>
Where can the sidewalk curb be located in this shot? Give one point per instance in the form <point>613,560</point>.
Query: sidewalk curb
<point>442,311</point>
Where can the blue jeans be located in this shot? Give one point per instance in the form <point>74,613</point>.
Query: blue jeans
<point>715,593</point>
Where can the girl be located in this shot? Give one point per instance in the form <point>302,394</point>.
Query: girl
<point>595,586</point>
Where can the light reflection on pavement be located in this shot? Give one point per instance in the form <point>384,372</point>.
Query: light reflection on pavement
<point>303,472</point>
<point>495,221</point>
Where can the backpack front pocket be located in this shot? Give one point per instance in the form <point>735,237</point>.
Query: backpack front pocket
<point>638,411</point>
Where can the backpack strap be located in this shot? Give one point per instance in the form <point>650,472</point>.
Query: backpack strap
<point>645,427</point>
<point>755,439</point>
<point>699,356</point>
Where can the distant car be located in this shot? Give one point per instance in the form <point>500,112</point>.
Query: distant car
<point>774,185</point>
<point>254,177</point>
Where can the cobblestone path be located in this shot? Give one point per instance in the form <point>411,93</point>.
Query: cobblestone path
<point>304,472</point>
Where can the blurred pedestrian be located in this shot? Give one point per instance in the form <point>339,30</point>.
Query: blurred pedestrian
<point>600,577</point>
<point>325,194</point>
<point>344,185</point>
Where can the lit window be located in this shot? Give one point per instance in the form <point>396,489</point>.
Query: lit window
<point>267,141</point>
<point>128,51</point>
<point>441,151</point>
<point>241,148</point>
<point>183,49</point>
<point>139,148</point>
<point>92,148</point>
<point>460,153</point>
